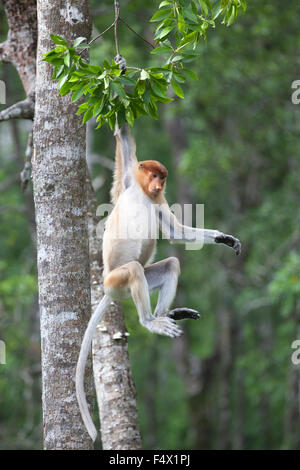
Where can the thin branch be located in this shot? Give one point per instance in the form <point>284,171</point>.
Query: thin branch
<point>26,172</point>
<point>98,36</point>
<point>117,12</point>
<point>104,10</point>
<point>115,25</point>
<point>131,29</point>
<point>21,110</point>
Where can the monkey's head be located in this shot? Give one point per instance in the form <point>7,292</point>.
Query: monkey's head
<point>152,176</point>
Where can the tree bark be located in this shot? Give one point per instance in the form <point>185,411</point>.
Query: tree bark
<point>59,172</point>
<point>114,385</point>
<point>225,363</point>
<point>197,374</point>
<point>20,50</point>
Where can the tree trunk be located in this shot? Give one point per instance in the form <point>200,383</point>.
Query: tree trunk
<point>59,171</point>
<point>114,385</point>
<point>197,374</point>
<point>225,354</point>
<point>20,50</point>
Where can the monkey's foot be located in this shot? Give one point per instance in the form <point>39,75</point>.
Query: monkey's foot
<point>164,326</point>
<point>184,312</point>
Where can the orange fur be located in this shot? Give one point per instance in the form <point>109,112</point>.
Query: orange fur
<point>117,278</point>
<point>151,185</point>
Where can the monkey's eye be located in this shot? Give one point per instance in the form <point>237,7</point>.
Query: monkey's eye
<point>154,175</point>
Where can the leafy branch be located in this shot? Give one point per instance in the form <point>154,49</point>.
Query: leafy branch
<point>116,93</point>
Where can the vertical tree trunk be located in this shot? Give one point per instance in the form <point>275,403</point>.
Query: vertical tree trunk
<point>225,354</point>
<point>59,171</point>
<point>113,380</point>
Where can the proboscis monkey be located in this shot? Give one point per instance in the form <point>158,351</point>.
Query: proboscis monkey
<point>128,245</point>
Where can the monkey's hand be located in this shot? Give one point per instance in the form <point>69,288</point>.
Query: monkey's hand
<point>229,240</point>
<point>163,326</point>
<point>183,313</point>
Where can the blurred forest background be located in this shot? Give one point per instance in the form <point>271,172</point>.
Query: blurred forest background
<point>232,144</point>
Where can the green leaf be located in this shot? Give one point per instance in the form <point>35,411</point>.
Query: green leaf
<point>244,4</point>
<point>49,54</point>
<point>59,70</point>
<point>217,11</point>
<point>129,116</point>
<point>101,122</point>
<point>189,73</point>
<point>75,86</point>
<point>190,15</point>
<point>162,50</point>
<point>165,32</point>
<point>87,116</point>
<point>99,106</point>
<point>63,80</point>
<point>60,49</point>
<point>126,81</point>
<point>165,3</point>
<point>138,109</point>
<point>67,59</point>
<point>152,108</point>
<point>147,96</point>
<point>157,75</point>
<point>78,94</point>
<point>78,41</point>
<point>160,15</point>
<point>181,24</point>
<point>141,86</point>
<point>144,75</point>
<point>177,89</point>
<point>83,107</point>
<point>158,90</point>
<point>178,77</point>
<point>112,121</point>
<point>166,99</point>
<point>83,46</point>
<point>204,7</point>
<point>176,58</point>
<point>65,89</point>
<point>232,16</point>
<point>116,72</point>
<point>117,87</point>
<point>59,40</point>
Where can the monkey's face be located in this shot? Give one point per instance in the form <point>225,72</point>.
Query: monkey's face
<point>152,177</point>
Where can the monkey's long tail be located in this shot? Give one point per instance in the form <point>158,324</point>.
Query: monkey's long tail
<point>80,369</point>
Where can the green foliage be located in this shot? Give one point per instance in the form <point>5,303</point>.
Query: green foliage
<point>285,285</point>
<point>114,95</point>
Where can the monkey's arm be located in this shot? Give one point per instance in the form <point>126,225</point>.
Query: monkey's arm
<point>125,161</point>
<point>178,233</point>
